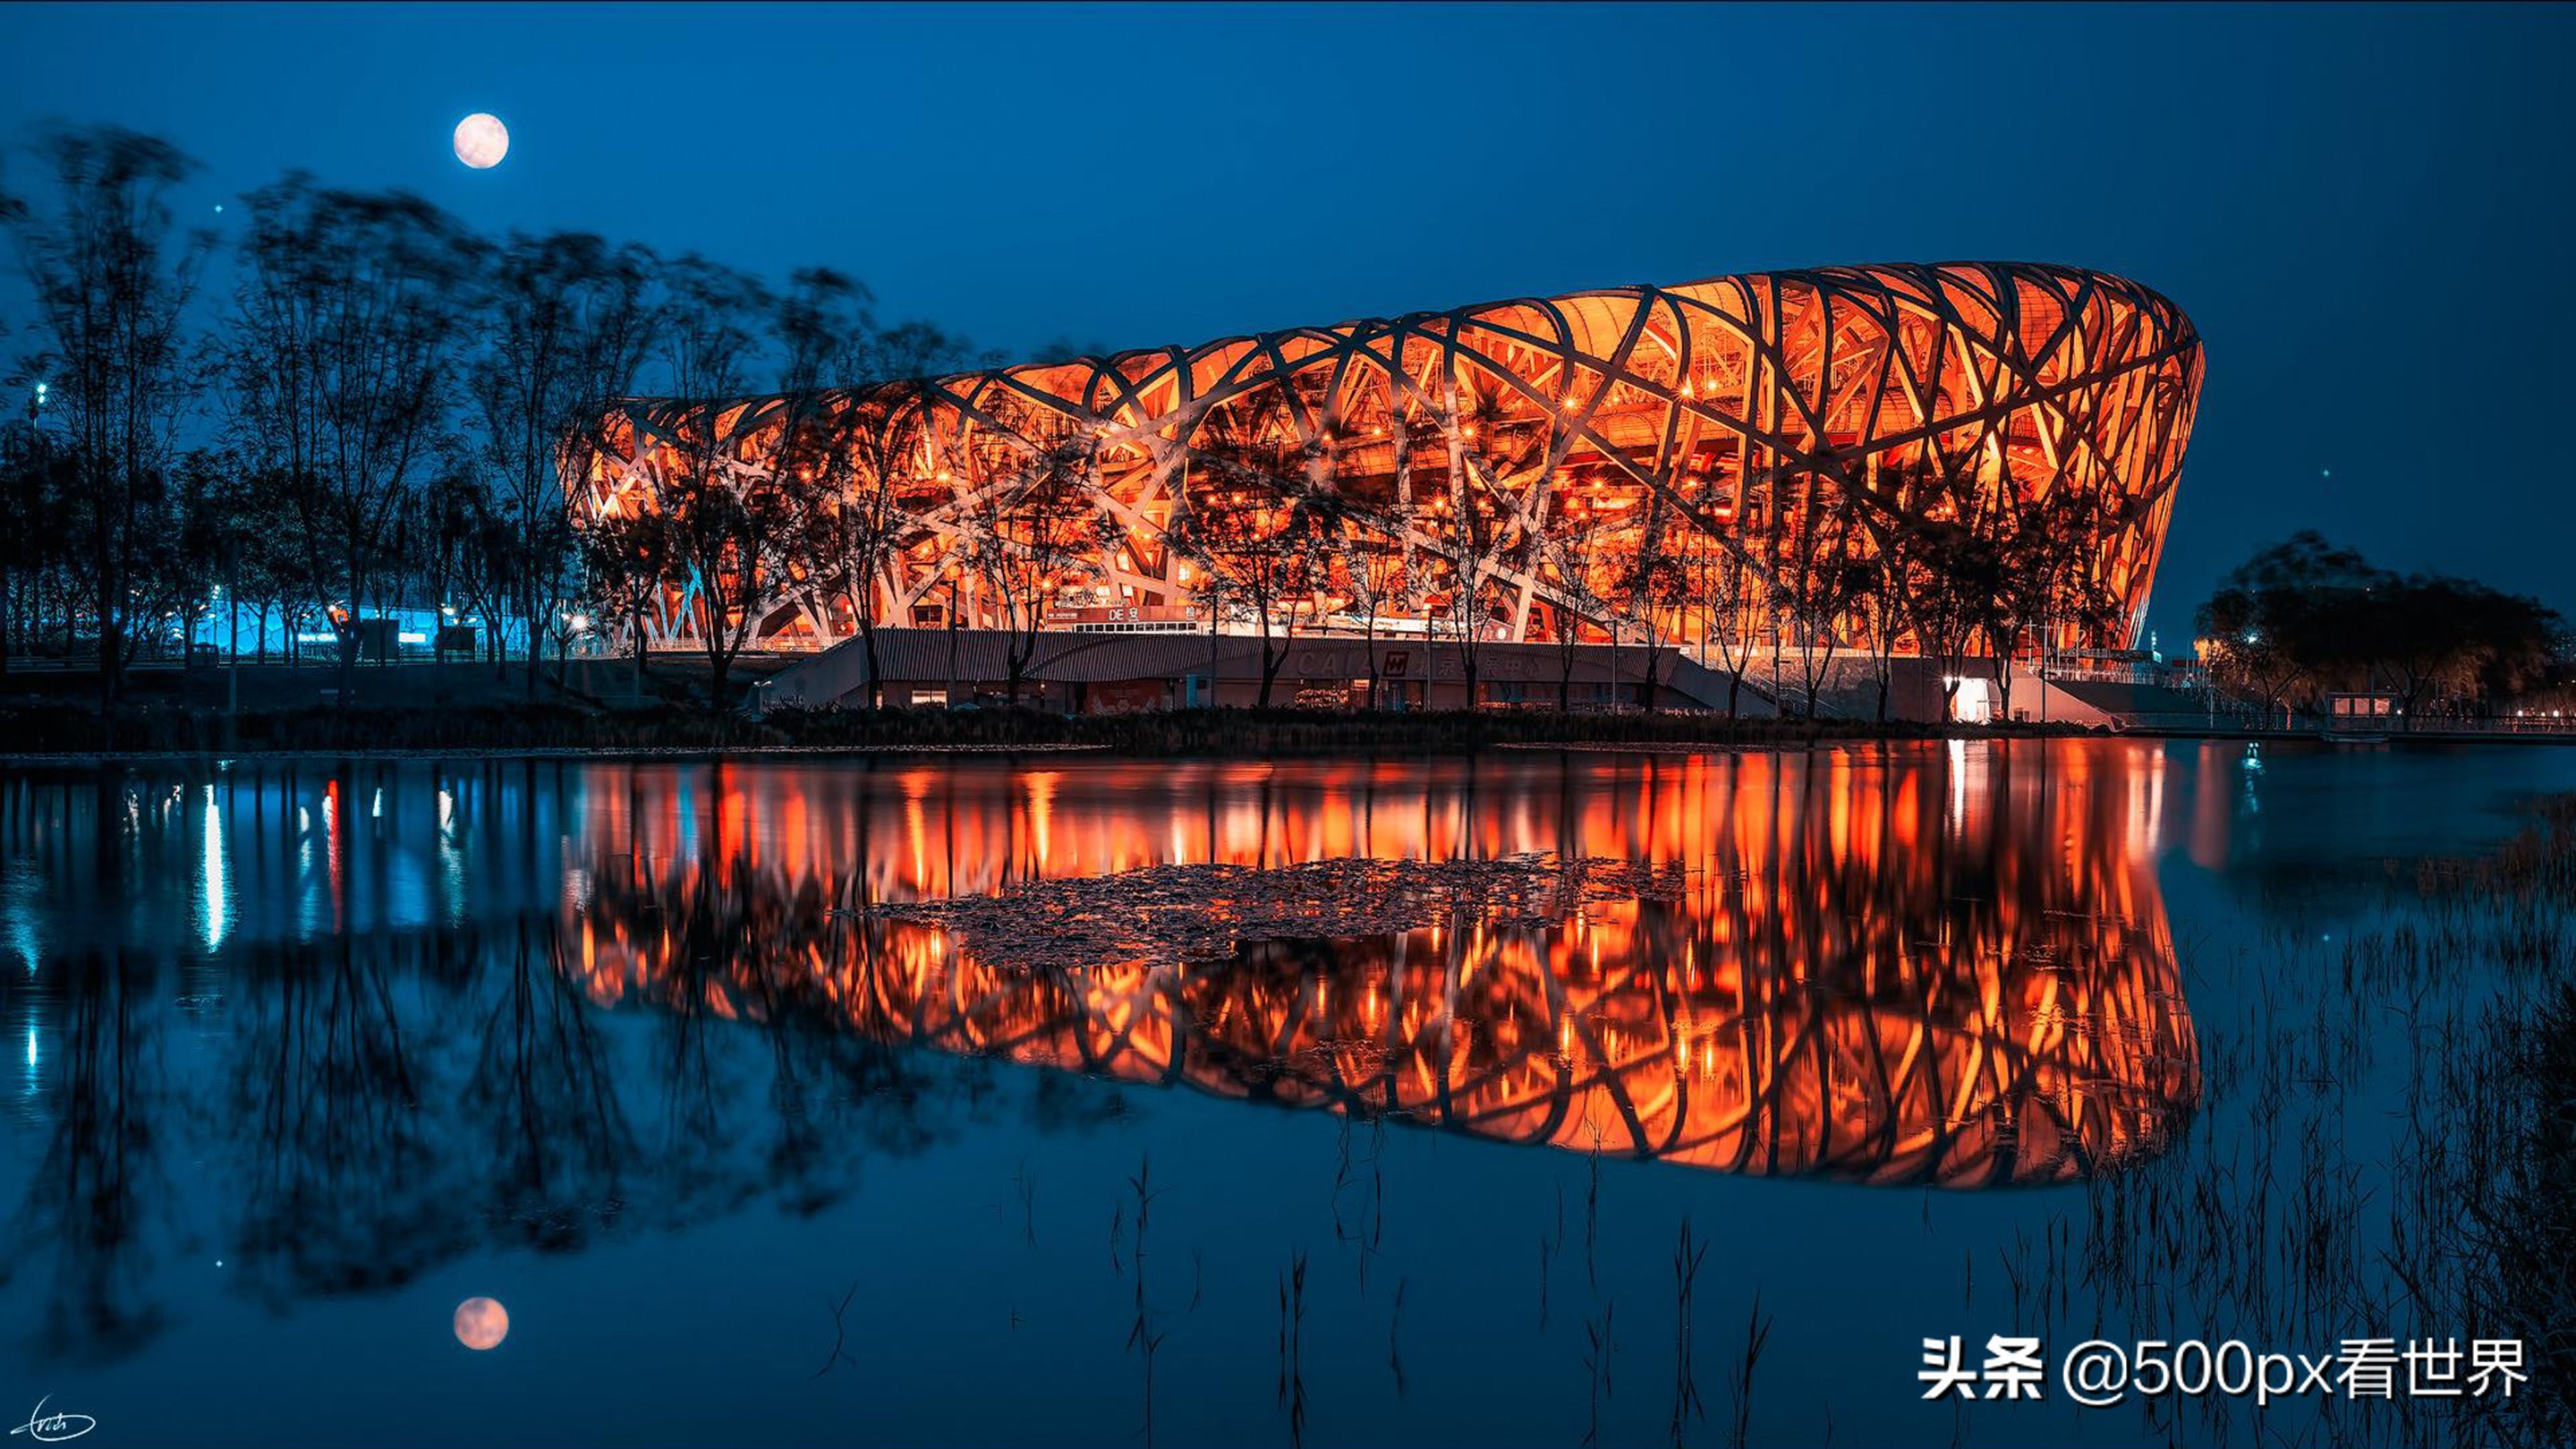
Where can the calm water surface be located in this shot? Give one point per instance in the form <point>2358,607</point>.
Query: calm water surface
<point>1069,1100</point>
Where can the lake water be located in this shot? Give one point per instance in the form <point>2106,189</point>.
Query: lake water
<point>1077,1100</point>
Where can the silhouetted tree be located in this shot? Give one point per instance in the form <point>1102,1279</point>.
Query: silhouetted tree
<point>853,455</point>
<point>1037,529</point>
<point>2056,580</point>
<point>566,322</point>
<point>1063,349</point>
<point>37,479</point>
<point>2305,615</point>
<point>112,278</point>
<point>1491,440</point>
<point>1371,567</point>
<point>344,354</point>
<point>625,563</point>
<point>266,560</point>
<point>1949,573</point>
<point>1726,595</point>
<point>1820,571</point>
<point>1256,516</point>
<point>888,447</point>
<point>1650,584</point>
<point>727,526</point>
<point>2271,627</point>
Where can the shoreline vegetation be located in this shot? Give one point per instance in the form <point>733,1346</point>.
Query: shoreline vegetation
<point>48,732</point>
<point>42,733</point>
<point>2459,1222</point>
<point>37,731</point>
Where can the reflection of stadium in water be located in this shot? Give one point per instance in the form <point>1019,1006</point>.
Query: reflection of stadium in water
<point>292,996</point>
<point>1863,972</point>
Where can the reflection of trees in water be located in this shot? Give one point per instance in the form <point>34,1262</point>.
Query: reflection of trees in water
<point>398,1100</point>
<point>543,1101</point>
<point>87,1208</point>
<point>343,1183</point>
<point>390,1130</point>
<point>402,1099</point>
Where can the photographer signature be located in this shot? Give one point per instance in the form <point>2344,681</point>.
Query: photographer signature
<point>46,1428</point>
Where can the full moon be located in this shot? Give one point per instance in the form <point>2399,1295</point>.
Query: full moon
<point>481,1323</point>
<point>481,141</point>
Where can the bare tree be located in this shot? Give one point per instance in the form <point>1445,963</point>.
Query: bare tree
<point>2055,582</point>
<point>1874,596</point>
<point>350,310</point>
<point>857,454</point>
<point>458,532</point>
<point>727,526</point>
<point>566,323</point>
<point>625,563</point>
<point>1256,515</point>
<point>1954,575</point>
<point>1727,595</point>
<point>822,325</point>
<point>1037,527</point>
<point>1650,584</point>
<point>2003,619</point>
<point>112,279</point>
<point>1820,571</point>
<point>1493,439</point>
<point>1571,548</point>
<point>1945,574</point>
<point>39,480</point>
<point>864,529</point>
<point>1373,571</point>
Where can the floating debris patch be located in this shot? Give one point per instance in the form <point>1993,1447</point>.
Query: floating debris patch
<point>1188,913</point>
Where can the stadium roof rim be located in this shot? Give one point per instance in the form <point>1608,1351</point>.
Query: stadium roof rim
<point>2183,334</point>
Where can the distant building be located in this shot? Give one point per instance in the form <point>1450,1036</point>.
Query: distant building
<point>1780,457</point>
<point>398,632</point>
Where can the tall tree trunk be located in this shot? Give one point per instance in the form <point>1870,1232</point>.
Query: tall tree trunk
<point>868,651</point>
<point>111,586</point>
<point>349,637</point>
<point>1368,640</point>
<point>1270,662</point>
<point>536,646</point>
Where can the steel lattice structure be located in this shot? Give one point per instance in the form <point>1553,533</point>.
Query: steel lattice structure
<point>1503,459</point>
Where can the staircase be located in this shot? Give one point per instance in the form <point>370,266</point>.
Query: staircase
<point>1707,688</point>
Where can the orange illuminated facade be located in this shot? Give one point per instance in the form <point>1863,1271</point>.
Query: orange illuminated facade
<point>1731,458</point>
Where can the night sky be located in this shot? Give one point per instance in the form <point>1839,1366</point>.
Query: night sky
<point>2367,212</point>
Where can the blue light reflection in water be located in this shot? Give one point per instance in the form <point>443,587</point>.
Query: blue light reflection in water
<point>637,1050</point>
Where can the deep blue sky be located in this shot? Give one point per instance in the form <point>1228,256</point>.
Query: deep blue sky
<point>2366,211</point>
